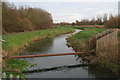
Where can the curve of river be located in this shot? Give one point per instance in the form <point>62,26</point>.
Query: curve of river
<point>58,45</point>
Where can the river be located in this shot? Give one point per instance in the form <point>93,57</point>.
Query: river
<point>58,45</point>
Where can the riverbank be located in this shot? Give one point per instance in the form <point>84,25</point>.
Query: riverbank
<point>17,41</point>
<point>80,42</point>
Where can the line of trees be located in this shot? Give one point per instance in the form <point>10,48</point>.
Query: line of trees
<point>109,21</point>
<point>99,20</point>
<point>24,18</point>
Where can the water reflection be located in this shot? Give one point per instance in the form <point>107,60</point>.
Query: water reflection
<point>39,47</point>
<point>48,46</point>
<point>98,72</point>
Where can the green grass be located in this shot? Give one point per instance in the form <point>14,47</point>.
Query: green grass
<point>80,40</point>
<point>15,41</point>
<point>86,34</point>
<point>83,27</point>
<point>19,64</point>
<point>15,67</point>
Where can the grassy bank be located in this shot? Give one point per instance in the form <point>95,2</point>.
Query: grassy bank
<point>16,41</point>
<point>83,28</point>
<point>15,67</point>
<point>80,41</point>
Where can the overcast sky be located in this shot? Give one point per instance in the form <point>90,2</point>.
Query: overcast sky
<point>71,10</point>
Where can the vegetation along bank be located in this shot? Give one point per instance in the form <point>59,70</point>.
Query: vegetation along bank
<point>80,42</point>
<point>17,41</point>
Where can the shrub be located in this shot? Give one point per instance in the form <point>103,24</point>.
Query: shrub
<point>113,22</point>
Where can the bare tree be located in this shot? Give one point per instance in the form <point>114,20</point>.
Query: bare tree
<point>105,18</point>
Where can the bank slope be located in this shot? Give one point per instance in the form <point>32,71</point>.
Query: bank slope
<point>16,41</point>
<point>80,41</point>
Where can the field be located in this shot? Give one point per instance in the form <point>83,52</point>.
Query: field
<point>90,26</point>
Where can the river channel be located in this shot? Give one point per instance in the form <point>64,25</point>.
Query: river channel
<point>54,46</point>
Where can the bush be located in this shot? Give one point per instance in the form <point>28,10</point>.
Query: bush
<point>24,19</point>
<point>113,22</point>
